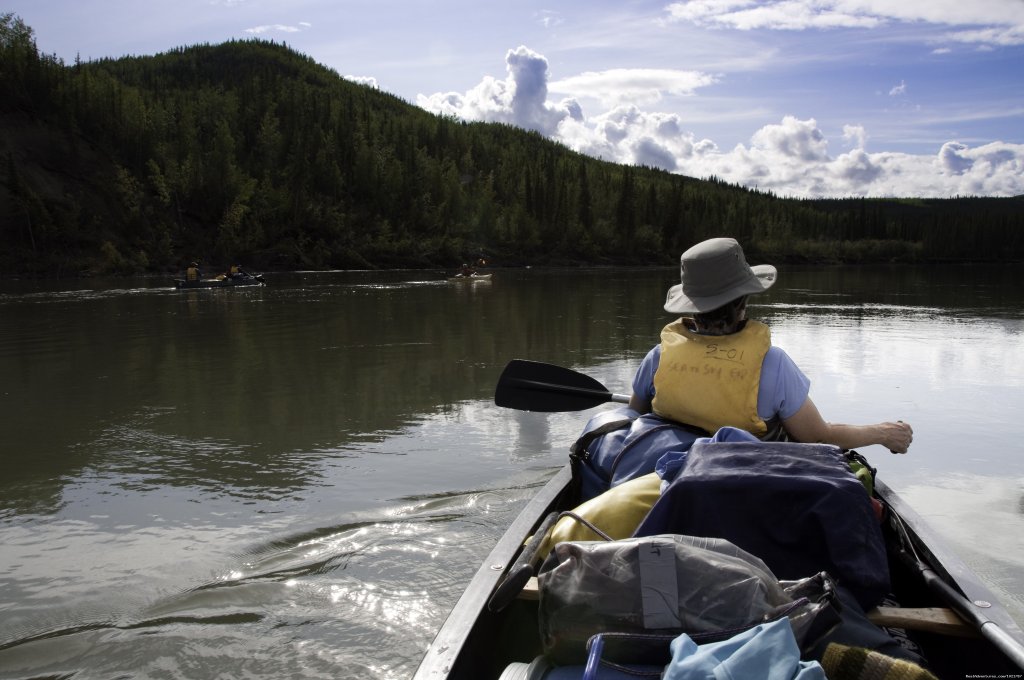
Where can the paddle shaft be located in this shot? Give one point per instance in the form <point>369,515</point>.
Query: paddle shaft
<point>569,389</point>
<point>987,627</point>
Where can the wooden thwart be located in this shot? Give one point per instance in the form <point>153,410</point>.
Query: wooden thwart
<point>531,591</point>
<point>931,619</point>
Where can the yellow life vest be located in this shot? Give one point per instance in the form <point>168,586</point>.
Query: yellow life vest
<point>711,380</point>
<point>192,274</point>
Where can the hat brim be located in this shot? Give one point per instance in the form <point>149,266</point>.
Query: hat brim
<point>677,302</point>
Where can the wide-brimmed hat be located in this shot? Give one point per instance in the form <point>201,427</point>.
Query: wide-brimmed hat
<point>715,272</point>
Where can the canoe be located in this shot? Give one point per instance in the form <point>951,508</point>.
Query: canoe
<point>472,277</point>
<point>234,282</point>
<point>973,634</point>
<point>958,623</point>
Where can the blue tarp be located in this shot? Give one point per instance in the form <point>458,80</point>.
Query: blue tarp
<point>619,445</point>
<point>796,506</point>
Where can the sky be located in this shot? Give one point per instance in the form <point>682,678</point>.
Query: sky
<point>804,98</point>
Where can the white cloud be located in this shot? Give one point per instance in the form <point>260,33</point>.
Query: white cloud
<point>796,139</point>
<point>787,15</point>
<point>790,157</point>
<point>898,90</point>
<point>855,169</point>
<point>652,153</point>
<point>520,99</point>
<point>637,86</point>
<point>548,18</point>
<point>1001,36</point>
<point>856,135</point>
<point>995,169</point>
<point>281,28</point>
<point>991,22</point>
<point>528,73</point>
<point>951,160</point>
<point>363,80</point>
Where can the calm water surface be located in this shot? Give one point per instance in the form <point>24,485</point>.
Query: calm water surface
<point>299,480</point>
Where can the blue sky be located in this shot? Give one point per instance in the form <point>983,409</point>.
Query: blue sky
<point>801,97</point>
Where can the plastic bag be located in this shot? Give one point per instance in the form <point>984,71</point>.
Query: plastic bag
<point>707,588</point>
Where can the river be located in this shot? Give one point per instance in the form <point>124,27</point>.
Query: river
<point>297,481</point>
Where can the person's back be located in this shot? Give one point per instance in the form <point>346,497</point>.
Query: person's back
<point>192,273</point>
<point>714,368</point>
<point>712,381</point>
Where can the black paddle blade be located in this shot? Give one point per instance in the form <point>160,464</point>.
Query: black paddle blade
<point>535,386</point>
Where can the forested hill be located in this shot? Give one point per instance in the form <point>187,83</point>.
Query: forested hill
<point>250,152</point>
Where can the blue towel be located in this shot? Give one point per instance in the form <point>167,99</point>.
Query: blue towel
<point>765,652</point>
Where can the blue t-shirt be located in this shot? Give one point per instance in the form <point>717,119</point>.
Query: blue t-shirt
<point>782,390</point>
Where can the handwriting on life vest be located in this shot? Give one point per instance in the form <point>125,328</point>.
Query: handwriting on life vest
<point>714,351</point>
<point>711,365</point>
<point>707,369</point>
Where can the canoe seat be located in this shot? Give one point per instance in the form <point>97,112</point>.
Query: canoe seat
<point>930,619</point>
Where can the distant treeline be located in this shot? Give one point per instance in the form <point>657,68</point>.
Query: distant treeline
<point>249,152</point>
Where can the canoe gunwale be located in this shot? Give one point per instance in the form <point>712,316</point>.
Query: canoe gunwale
<point>955,582</point>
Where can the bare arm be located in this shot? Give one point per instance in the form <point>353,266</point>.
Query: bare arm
<point>807,425</point>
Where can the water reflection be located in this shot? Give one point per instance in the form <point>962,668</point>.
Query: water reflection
<point>958,505</point>
<point>533,434</point>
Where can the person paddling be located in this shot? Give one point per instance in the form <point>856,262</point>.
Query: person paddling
<point>715,368</point>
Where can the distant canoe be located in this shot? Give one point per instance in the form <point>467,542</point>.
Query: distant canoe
<point>233,282</point>
<point>471,277</point>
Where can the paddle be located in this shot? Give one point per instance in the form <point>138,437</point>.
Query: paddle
<point>535,386</point>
